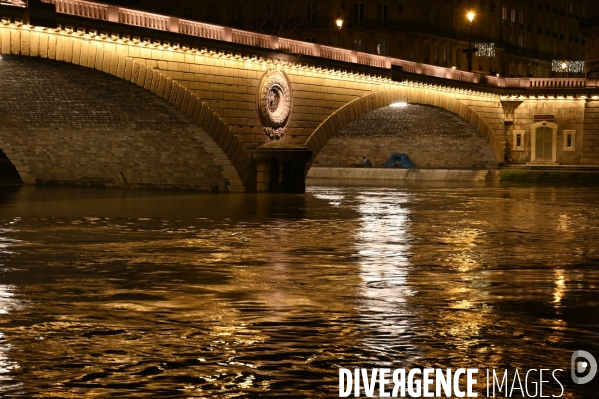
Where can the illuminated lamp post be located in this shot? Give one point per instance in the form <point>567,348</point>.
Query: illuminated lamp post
<point>564,65</point>
<point>339,23</point>
<point>469,51</point>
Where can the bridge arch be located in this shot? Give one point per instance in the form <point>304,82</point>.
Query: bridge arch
<point>73,48</point>
<point>417,94</point>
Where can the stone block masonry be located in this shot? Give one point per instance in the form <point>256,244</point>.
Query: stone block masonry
<point>590,144</point>
<point>78,126</point>
<point>217,90</point>
<point>228,83</point>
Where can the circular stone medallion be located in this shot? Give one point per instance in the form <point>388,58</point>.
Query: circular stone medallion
<point>274,102</point>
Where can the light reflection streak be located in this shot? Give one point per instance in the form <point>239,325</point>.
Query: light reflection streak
<point>560,287</point>
<point>382,243</point>
<point>8,304</point>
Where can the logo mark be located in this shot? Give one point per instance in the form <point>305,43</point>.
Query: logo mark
<point>581,366</point>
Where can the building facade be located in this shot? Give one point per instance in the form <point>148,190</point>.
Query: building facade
<point>591,33</point>
<point>514,38</point>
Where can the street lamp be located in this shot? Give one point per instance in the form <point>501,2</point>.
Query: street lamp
<point>564,65</point>
<point>470,16</point>
<point>339,23</point>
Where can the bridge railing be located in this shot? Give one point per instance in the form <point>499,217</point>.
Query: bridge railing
<point>15,3</point>
<point>338,54</point>
<point>298,47</point>
<point>593,82</point>
<point>193,28</point>
<point>142,19</point>
<point>251,38</point>
<point>127,16</point>
<point>544,83</point>
<point>86,9</point>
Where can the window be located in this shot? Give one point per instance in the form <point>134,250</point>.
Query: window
<point>359,14</point>
<point>359,44</point>
<point>187,12</point>
<point>521,18</point>
<point>520,41</point>
<point>210,14</point>
<point>504,15</point>
<point>401,8</point>
<point>384,15</point>
<point>518,141</point>
<point>382,47</point>
<point>310,11</point>
<point>513,18</point>
<point>569,140</point>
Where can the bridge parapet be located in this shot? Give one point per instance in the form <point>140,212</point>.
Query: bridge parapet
<point>143,19</point>
<point>15,3</point>
<point>542,83</point>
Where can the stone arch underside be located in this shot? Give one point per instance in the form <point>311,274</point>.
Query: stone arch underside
<point>462,105</point>
<point>431,137</point>
<point>211,134</point>
<point>76,126</point>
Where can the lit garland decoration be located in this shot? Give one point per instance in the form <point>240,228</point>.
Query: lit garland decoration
<point>485,49</point>
<point>570,66</point>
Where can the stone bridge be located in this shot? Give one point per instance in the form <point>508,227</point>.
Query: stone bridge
<point>118,97</point>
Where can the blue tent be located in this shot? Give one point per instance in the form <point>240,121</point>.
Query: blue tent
<point>399,161</point>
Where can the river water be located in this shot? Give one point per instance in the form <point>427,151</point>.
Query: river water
<point>147,294</point>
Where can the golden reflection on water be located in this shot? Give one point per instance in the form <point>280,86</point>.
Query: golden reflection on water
<point>381,240</point>
<point>8,305</point>
<point>271,294</point>
<point>560,287</point>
